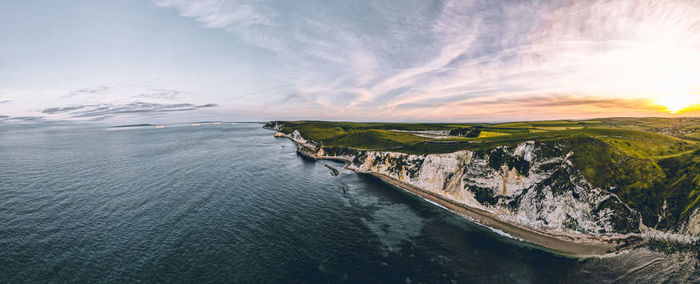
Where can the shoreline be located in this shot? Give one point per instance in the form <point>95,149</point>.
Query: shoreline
<point>574,245</point>
<point>578,246</point>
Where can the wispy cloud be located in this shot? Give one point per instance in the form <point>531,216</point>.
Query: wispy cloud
<point>106,110</point>
<point>22,119</point>
<point>88,91</point>
<point>162,94</point>
<point>378,57</point>
<point>353,60</point>
<point>56,110</point>
<point>102,102</point>
<point>27,118</point>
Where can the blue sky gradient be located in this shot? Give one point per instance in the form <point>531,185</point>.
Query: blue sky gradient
<point>171,60</point>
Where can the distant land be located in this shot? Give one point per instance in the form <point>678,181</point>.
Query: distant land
<point>581,187</point>
<point>133,125</point>
<point>215,122</point>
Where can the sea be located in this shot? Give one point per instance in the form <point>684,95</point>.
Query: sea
<point>230,203</point>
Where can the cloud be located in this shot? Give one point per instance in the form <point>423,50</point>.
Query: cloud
<point>10,122</point>
<point>56,110</point>
<point>557,101</point>
<point>132,90</point>
<point>105,110</point>
<point>27,118</point>
<point>377,57</point>
<point>505,108</point>
<point>161,94</point>
<point>88,91</point>
<point>553,101</point>
<point>4,102</point>
<point>22,119</point>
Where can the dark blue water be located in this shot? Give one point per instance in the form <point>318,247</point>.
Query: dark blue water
<point>227,203</point>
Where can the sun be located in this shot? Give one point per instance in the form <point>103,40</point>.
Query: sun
<point>674,104</point>
<point>675,91</point>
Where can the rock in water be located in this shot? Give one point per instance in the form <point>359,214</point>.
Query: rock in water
<point>334,172</point>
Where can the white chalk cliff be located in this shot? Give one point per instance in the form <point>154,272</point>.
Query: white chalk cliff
<point>532,183</point>
<point>515,183</point>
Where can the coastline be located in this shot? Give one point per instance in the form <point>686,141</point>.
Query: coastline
<point>578,246</point>
<point>574,245</point>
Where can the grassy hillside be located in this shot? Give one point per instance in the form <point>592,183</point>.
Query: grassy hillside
<point>650,163</point>
<point>642,137</point>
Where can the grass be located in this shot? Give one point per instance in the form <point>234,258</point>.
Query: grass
<point>647,162</point>
<point>643,144</point>
<point>641,141</point>
<point>644,138</point>
<point>693,134</point>
<point>372,139</point>
<point>485,134</point>
<point>557,127</point>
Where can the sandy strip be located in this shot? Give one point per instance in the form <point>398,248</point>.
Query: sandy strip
<point>580,246</point>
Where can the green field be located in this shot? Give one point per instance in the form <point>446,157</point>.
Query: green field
<point>654,138</point>
<point>647,162</point>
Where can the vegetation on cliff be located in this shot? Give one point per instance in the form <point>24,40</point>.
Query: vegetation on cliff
<point>470,132</point>
<point>651,164</point>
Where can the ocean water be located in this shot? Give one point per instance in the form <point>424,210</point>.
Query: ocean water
<point>229,203</point>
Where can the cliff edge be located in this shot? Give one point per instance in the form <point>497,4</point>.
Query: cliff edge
<point>532,190</point>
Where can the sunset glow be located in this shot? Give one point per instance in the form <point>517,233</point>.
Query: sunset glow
<point>674,104</point>
<point>676,90</point>
<point>388,60</point>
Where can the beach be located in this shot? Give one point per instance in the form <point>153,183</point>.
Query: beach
<point>578,245</point>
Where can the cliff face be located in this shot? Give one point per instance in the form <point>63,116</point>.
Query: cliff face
<point>693,225</point>
<point>297,138</point>
<point>532,183</point>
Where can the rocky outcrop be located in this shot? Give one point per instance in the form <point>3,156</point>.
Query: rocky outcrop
<point>334,171</point>
<point>274,125</point>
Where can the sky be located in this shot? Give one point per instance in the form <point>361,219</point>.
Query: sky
<point>162,61</point>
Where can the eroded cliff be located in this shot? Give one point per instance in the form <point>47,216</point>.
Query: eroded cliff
<point>533,183</point>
